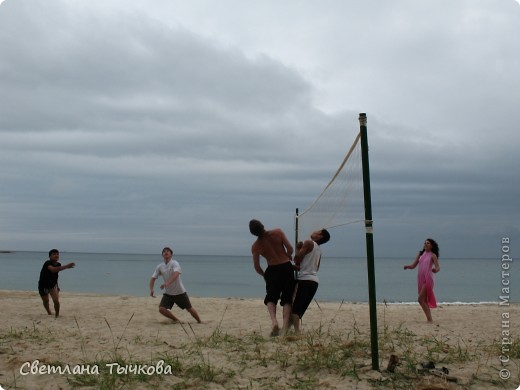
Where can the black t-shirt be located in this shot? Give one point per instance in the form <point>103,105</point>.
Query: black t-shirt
<point>48,279</point>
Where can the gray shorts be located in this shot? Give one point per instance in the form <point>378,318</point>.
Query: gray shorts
<point>43,291</point>
<point>180,300</point>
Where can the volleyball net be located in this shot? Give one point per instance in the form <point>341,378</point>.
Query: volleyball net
<point>345,200</point>
<point>341,202</point>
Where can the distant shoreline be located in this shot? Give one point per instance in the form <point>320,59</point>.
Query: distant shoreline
<point>317,301</point>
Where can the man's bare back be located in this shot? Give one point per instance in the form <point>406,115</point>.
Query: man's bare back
<point>273,246</point>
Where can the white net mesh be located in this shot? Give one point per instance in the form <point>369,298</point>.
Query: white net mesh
<point>341,202</point>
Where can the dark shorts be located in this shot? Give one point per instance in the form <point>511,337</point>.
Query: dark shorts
<point>279,283</point>
<point>180,300</point>
<point>46,290</point>
<point>305,291</point>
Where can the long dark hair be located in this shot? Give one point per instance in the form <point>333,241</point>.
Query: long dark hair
<point>435,247</point>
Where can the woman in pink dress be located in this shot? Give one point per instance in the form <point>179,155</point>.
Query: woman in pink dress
<point>428,262</point>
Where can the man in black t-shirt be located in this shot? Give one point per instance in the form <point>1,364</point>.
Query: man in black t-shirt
<point>48,283</point>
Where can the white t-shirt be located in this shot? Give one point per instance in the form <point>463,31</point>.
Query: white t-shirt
<point>310,265</point>
<point>167,270</point>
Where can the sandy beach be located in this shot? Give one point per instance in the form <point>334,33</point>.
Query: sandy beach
<point>122,341</point>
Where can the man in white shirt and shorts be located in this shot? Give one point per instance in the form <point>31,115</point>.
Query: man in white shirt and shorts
<point>174,291</point>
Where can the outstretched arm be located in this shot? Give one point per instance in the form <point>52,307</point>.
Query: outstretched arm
<point>414,264</point>
<point>61,267</point>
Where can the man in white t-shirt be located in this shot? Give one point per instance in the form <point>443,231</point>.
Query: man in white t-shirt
<point>174,291</point>
<point>307,262</point>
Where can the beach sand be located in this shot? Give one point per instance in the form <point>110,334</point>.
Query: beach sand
<point>123,342</point>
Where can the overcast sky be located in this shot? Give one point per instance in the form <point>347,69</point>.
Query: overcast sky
<point>129,126</point>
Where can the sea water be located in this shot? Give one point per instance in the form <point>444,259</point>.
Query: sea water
<point>341,279</point>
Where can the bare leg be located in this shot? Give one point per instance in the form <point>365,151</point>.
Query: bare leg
<point>424,304</point>
<point>296,322</point>
<point>271,308</point>
<point>194,314</point>
<point>168,314</point>
<point>55,295</point>
<point>286,318</point>
<point>45,300</point>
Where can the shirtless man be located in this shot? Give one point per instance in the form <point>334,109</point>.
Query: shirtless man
<point>274,246</point>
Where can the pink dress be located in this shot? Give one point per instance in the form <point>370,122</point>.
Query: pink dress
<point>425,278</point>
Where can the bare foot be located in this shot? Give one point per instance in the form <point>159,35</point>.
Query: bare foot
<point>276,331</point>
